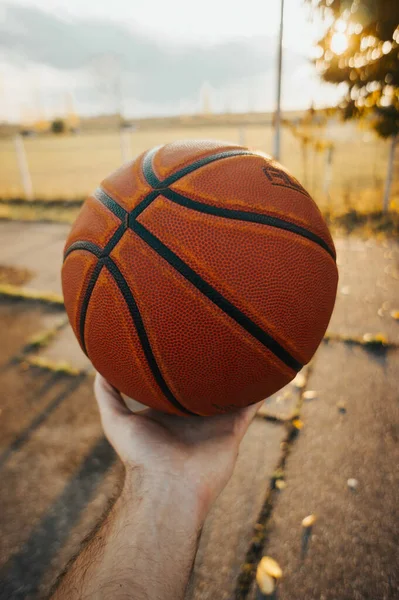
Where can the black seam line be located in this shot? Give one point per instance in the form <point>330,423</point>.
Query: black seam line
<point>205,288</point>
<point>251,217</point>
<point>156,183</point>
<point>162,186</point>
<point>86,300</point>
<point>133,309</point>
<point>217,298</point>
<point>142,206</point>
<point>93,248</point>
<point>93,280</point>
<point>110,203</point>
<point>141,331</point>
<point>114,240</point>
<point>82,245</point>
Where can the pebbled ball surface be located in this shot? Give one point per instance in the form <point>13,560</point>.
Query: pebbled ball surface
<point>191,312</point>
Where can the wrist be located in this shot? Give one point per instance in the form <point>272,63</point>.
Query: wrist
<point>160,493</point>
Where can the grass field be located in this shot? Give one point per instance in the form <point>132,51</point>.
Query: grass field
<point>70,166</point>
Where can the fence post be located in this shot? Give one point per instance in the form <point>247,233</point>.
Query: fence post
<point>23,167</point>
<point>242,136</point>
<point>388,181</point>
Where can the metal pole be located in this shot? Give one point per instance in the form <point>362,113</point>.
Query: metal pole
<point>277,122</point>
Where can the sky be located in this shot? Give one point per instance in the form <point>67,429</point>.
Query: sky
<point>211,20</point>
<point>224,33</point>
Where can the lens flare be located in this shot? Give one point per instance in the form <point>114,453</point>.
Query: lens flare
<point>339,43</point>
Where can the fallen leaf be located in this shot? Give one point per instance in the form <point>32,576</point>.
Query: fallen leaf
<point>352,483</point>
<point>271,567</point>
<point>378,338</point>
<point>297,423</point>
<point>280,484</point>
<point>266,584</point>
<point>309,521</point>
<point>395,315</point>
<point>380,312</point>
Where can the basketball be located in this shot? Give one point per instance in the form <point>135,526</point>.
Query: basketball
<point>199,278</point>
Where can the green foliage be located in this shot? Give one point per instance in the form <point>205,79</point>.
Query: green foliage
<point>361,49</point>
<point>58,126</point>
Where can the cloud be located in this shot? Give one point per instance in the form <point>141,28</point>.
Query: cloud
<point>151,70</point>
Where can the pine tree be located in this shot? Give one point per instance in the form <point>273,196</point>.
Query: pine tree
<point>361,49</point>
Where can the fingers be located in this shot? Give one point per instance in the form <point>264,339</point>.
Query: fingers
<point>109,400</point>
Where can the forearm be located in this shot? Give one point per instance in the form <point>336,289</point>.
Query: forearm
<point>144,549</point>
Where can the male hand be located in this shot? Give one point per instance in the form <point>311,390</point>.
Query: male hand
<point>197,453</point>
<point>175,469</point>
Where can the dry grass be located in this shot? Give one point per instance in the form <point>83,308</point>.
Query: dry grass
<point>19,293</point>
<point>37,210</point>
<point>374,223</point>
<point>61,367</point>
<point>69,167</point>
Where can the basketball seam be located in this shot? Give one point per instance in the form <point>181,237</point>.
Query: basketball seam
<point>156,183</point>
<point>128,220</point>
<point>141,332</point>
<point>214,296</point>
<point>251,327</point>
<point>241,215</point>
<point>110,203</point>
<point>135,314</point>
<point>86,300</point>
<point>202,207</point>
<point>163,187</point>
<point>80,245</point>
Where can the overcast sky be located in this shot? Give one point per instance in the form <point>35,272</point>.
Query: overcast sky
<point>185,20</point>
<point>224,33</point>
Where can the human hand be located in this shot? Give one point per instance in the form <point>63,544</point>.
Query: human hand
<point>197,453</point>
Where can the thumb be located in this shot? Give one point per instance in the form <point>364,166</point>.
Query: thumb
<point>110,402</point>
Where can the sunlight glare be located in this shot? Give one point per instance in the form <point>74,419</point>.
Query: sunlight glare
<point>340,26</point>
<point>339,43</point>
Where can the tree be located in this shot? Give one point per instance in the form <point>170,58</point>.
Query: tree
<point>361,49</point>
<point>58,126</point>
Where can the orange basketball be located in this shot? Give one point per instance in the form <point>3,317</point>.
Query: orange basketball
<point>199,278</point>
